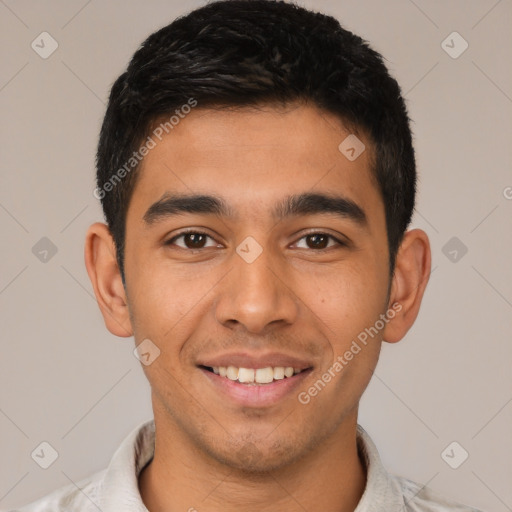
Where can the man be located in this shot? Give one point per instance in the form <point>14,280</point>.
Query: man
<point>257,175</point>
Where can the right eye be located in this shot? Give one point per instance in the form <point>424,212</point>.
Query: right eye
<point>192,240</point>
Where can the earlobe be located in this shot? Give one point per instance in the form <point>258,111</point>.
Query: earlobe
<point>412,272</point>
<point>103,270</point>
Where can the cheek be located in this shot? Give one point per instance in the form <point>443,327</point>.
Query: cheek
<point>347,299</point>
<point>348,303</point>
<point>166,300</point>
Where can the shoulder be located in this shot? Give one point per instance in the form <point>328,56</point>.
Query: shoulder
<point>79,498</point>
<point>418,498</point>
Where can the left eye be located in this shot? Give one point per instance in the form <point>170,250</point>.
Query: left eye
<point>320,241</point>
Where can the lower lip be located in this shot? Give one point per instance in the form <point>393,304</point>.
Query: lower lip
<point>256,395</point>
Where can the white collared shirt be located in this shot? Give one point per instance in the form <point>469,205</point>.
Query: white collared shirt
<point>115,489</point>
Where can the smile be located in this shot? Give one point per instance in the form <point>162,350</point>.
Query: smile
<point>254,387</point>
<point>255,376</point>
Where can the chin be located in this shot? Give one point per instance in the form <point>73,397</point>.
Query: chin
<point>257,456</point>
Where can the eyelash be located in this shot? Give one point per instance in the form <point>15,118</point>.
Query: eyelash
<point>192,231</point>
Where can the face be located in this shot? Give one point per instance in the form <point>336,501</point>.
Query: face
<point>282,263</point>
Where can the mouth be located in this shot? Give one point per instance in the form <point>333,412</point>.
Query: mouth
<point>256,388</point>
<point>255,376</point>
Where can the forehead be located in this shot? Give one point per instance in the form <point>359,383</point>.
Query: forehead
<point>254,157</point>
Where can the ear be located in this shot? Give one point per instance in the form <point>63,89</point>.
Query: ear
<point>412,272</point>
<point>101,264</point>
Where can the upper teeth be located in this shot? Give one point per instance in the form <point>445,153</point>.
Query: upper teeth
<point>259,375</point>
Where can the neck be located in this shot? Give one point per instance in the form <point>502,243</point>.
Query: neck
<point>331,477</point>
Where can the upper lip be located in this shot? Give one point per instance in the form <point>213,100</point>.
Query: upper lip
<point>247,360</point>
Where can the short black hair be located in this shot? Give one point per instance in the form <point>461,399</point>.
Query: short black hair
<point>236,53</point>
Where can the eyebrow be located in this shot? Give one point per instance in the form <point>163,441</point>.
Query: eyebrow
<point>294,205</point>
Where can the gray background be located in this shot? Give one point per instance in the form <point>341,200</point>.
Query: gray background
<point>68,381</point>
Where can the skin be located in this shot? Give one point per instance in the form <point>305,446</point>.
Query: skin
<point>212,454</point>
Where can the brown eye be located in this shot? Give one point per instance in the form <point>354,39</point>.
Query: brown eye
<point>320,241</point>
<point>191,240</point>
<point>194,240</point>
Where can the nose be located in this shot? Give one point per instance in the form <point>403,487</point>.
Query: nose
<point>256,294</point>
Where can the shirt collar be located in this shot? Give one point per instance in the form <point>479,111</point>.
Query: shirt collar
<point>382,492</point>
<point>119,489</point>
